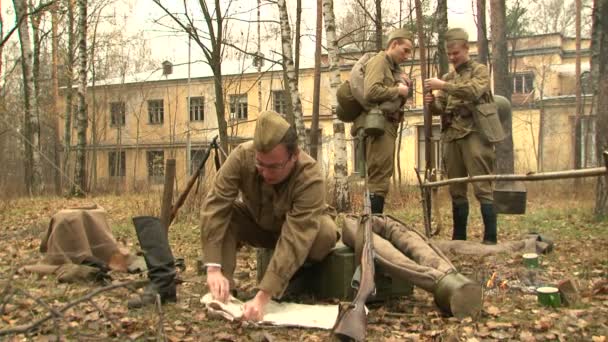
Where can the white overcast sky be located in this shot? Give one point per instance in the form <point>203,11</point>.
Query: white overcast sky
<point>140,14</point>
<point>175,49</point>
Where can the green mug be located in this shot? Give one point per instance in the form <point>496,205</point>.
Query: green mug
<point>549,296</point>
<point>531,260</point>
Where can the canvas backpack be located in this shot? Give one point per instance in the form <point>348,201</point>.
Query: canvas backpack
<point>351,102</point>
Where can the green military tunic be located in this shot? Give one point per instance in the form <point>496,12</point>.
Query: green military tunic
<point>380,85</point>
<point>466,150</point>
<point>291,217</point>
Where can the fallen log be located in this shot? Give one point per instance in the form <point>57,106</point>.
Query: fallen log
<point>592,172</point>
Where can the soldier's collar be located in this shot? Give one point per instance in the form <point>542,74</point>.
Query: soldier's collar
<point>463,66</point>
<point>393,64</point>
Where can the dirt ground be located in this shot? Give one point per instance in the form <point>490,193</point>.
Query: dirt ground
<point>511,310</point>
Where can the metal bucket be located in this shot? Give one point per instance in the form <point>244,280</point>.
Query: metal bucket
<point>374,123</point>
<point>510,197</point>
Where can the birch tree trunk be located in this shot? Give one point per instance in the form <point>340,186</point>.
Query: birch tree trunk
<point>33,169</point>
<point>259,59</point>
<point>502,83</point>
<point>80,169</point>
<point>289,68</point>
<point>69,70</point>
<point>599,68</point>
<point>341,192</point>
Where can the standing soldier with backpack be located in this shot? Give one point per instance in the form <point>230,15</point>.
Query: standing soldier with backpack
<point>470,127</point>
<point>384,84</point>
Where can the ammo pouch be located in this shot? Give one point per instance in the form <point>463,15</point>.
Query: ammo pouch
<point>487,121</point>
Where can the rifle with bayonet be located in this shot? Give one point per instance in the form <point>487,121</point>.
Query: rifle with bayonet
<point>351,323</point>
<point>195,176</point>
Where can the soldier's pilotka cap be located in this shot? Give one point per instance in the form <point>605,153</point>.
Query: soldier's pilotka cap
<point>270,128</point>
<point>456,34</point>
<point>400,33</point>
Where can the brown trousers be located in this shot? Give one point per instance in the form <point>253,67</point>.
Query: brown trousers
<point>244,230</point>
<point>380,157</point>
<point>472,155</point>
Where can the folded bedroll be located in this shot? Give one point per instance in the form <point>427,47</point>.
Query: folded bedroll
<point>406,254</point>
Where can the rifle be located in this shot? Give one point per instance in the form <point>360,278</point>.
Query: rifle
<point>351,323</point>
<point>182,197</point>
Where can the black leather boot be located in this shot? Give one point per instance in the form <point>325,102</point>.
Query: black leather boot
<point>159,259</point>
<point>460,215</point>
<point>377,203</point>
<point>489,222</point>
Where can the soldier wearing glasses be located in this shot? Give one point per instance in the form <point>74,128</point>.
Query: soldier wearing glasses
<point>267,194</point>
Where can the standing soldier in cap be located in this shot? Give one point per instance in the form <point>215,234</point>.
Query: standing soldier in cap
<point>281,206</point>
<point>470,127</point>
<point>384,82</point>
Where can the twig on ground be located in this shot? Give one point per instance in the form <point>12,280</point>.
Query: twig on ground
<point>110,319</point>
<point>56,314</point>
<point>399,314</point>
<point>28,327</point>
<point>6,292</point>
<point>41,302</point>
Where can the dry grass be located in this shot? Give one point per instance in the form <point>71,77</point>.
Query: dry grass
<point>557,209</point>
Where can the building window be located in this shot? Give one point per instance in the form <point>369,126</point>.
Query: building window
<point>238,107</point>
<point>586,85</point>
<point>156,166</point>
<point>196,158</point>
<point>585,143</point>
<point>279,101</point>
<point>117,164</point>
<point>117,113</point>
<point>156,112</point>
<point>197,108</point>
<point>523,83</point>
<point>435,151</point>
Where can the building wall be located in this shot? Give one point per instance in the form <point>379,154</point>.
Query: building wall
<point>542,56</point>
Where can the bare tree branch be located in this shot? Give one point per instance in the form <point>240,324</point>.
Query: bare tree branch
<point>20,329</point>
<point>38,9</point>
<point>372,17</point>
<point>110,319</point>
<point>252,54</point>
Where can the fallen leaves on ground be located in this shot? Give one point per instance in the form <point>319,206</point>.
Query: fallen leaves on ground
<point>511,312</point>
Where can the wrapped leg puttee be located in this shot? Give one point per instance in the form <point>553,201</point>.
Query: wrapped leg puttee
<point>406,254</point>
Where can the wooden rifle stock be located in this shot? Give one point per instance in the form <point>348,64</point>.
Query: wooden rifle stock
<point>182,197</point>
<point>351,323</point>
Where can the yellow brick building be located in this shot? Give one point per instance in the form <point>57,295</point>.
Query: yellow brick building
<point>144,119</point>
